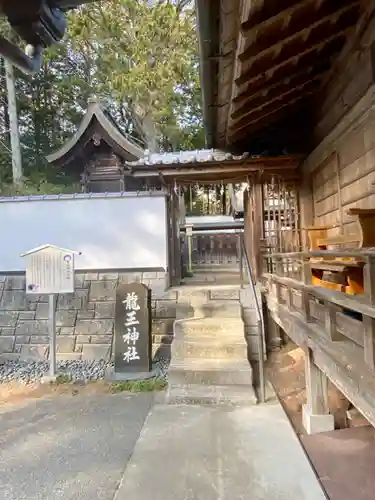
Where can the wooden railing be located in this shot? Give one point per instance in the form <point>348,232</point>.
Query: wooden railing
<point>338,327</point>
<point>344,317</point>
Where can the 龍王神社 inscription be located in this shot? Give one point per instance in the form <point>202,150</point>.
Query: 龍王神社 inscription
<point>133,329</point>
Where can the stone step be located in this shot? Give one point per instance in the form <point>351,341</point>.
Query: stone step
<point>210,349</point>
<point>216,269</point>
<point>230,395</point>
<point>228,327</point>
<point>208,308</point>
<point>204,279</point>
<point>210,372</point>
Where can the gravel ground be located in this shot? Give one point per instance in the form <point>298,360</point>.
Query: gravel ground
<point>31,372</point>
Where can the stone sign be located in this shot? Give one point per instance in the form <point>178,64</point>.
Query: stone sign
<point>133,342</point>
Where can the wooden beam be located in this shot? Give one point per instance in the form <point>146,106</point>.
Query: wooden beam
<point>280,13</point>
<point>244,129</point>
<point>316,386</point>
<point>291,90</point>
<point>332,16</point>
<point>293,59</point>
<point>296,79</point>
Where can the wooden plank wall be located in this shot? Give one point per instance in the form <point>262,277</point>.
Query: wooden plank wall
<point>342,167</point>
<point>345,179</point>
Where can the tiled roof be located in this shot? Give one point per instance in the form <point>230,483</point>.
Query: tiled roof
<point>186,157</point>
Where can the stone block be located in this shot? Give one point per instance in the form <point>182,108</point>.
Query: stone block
<point>66,330</point>
<point>94,327</point>
<point>15,283</point>
<point>251,331</point>
<point>162,326</point>
<point>83,314</point>
<point>8,318</point>
<point>96,352</point>
<point>66,317</point>
<point>14,300</point>
<point>6,344</point>
<point>101,339</point>
<point>91,276</point>
<point>315,424</point>
<point>7,332</point>
<point>41,311</point>
<point>164,309</point>
<point>72,301</point>
<point>26,315</point>
<point>108,276</point>
<point>39,339</point>
<point>9,356</point>
<point>65,344</point>
<point>130,277</point>
<point>79,281</point>
<point>36,327</point>
<point>249,316</point>
<point>34,353</point>
<point>22,339</point>
<point>68,356</point>
<point>103,290</point>
<point>83,339</point>
<point>78,348</point>
<point>147,275</point>
<point>225,294</point>
<point>105,310</point>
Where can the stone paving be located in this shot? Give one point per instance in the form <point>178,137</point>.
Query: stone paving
<point>68,447</point>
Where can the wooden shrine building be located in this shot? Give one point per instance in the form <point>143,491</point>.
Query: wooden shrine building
<point>96,154</point>
<point>296,78</point>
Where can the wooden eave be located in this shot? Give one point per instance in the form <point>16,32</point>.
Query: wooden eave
<point>96,124</point>
<point>284,53</point>
<point>227,171</point>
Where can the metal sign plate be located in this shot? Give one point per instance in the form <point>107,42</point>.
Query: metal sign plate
<point>50,270</point>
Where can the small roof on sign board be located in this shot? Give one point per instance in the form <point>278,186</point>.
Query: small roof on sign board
<point>43,247</point>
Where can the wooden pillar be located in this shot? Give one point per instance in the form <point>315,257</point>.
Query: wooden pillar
<point>315,413</point>
<point>306,207</point>
<point>258,228</point>
<point>369,323</point>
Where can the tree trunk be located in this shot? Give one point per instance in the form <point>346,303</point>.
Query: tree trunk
<point>150,133</point>
<point>14,132</point>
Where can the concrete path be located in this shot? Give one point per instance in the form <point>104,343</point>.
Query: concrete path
<point>218,453</point>
<point>68,447</point>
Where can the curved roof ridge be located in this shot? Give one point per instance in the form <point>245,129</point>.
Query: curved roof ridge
<point>94,109</point>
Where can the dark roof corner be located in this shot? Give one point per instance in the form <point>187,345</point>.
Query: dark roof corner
<point>107,125</point>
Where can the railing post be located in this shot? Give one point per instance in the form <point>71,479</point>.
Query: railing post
<point>189,233</point>
<point>368,322</point>
<point>241,258</point>
<point>307,280</point>
<point>330,321</point>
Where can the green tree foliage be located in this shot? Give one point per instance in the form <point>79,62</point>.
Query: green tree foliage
<point>139,57</point>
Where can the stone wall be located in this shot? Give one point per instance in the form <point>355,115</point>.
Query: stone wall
<point>85,319</point>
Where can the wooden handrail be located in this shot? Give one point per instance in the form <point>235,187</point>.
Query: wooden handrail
<point>351,302</point>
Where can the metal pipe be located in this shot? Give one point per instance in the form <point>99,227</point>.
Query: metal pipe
<point>260,336</point>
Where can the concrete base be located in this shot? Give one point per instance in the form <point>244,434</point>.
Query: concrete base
<point>121,377</point>
<point>48,379</point>
<point>211,453</point>
<point>314,424</point>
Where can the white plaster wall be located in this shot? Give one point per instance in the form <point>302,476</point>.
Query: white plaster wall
<point>121,231</point>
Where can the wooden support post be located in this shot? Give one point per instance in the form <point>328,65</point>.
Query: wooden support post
<point>289,298</point>
<point>330,320</point>
<point>316,417</point>
<point>307,280</point>
<point>369,323</point>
